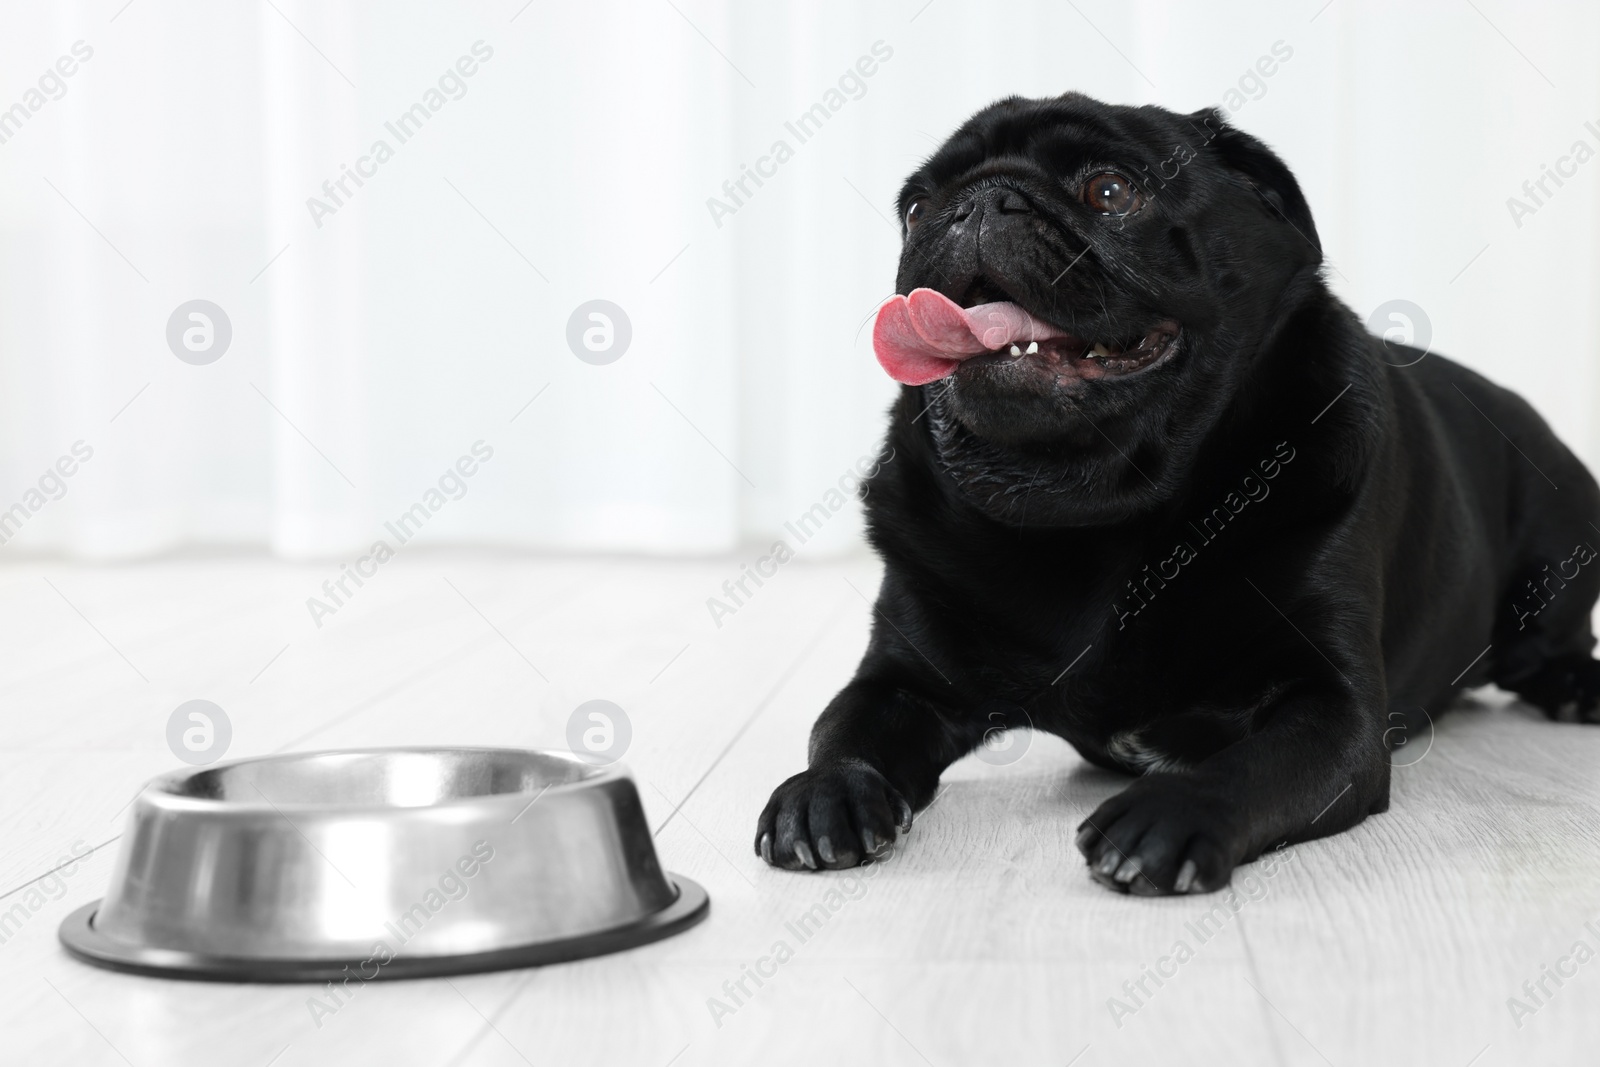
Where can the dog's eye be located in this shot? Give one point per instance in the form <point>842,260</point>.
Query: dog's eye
<point>1111,193</point>
<point>916,212</point>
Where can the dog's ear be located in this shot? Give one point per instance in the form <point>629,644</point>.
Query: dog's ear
<point>1266,173</point>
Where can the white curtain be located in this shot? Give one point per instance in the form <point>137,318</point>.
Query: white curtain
<point>604,151</point>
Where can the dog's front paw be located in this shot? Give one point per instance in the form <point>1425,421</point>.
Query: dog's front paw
<point>1163,834</point>
<point>831,816</point>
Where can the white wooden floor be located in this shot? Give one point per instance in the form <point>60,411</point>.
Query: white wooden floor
<point>981,941</point>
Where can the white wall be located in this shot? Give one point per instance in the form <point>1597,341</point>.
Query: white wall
<point>426,312</point>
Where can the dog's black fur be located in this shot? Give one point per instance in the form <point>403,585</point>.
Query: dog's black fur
<point>1259,557</point>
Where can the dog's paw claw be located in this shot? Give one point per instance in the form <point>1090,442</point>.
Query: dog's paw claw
<point>832,816</point>
<point>1185,879</point>
<point>1163,835</point>
<point>1127,871</point>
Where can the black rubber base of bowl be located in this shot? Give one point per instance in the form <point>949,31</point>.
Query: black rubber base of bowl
<point>84,942</point>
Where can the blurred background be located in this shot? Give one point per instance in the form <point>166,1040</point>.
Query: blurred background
<point>361,334</point>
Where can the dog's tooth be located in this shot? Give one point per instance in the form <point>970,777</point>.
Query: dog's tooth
<point>1100,351</point>
<point>1033,348</point>
<point>1015,351</point>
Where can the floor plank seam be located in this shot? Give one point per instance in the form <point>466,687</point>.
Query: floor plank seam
<point>756,713</point>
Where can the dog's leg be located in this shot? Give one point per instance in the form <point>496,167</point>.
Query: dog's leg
<point>1565,687</point>
<point>1543,638</point>
<point>876,756</point>
<point>1315,765</point>
<point>1544,656</point>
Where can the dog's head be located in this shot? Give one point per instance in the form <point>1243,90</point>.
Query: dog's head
<point>1123,266</point>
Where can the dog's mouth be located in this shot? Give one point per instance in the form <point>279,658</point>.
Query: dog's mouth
<point>1071,357</point>
<point>925,336</point>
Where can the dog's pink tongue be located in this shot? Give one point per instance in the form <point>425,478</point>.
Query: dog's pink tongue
<point>924,337</point>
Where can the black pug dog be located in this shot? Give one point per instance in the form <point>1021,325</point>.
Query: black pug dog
<point>1204,526</point>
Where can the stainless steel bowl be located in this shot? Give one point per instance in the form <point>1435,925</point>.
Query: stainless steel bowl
<point>383,863</point>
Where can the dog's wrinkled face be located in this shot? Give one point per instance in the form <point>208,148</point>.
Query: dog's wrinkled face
<point>1150,250</point>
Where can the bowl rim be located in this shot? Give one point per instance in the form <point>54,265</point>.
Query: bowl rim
<point>158,792</point>
<point>83,941</point>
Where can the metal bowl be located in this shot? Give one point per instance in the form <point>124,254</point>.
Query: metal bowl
<point>383,863</point>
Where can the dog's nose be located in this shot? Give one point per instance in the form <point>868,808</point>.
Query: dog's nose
<point>1012,203</point>
<point>1006,201</point>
